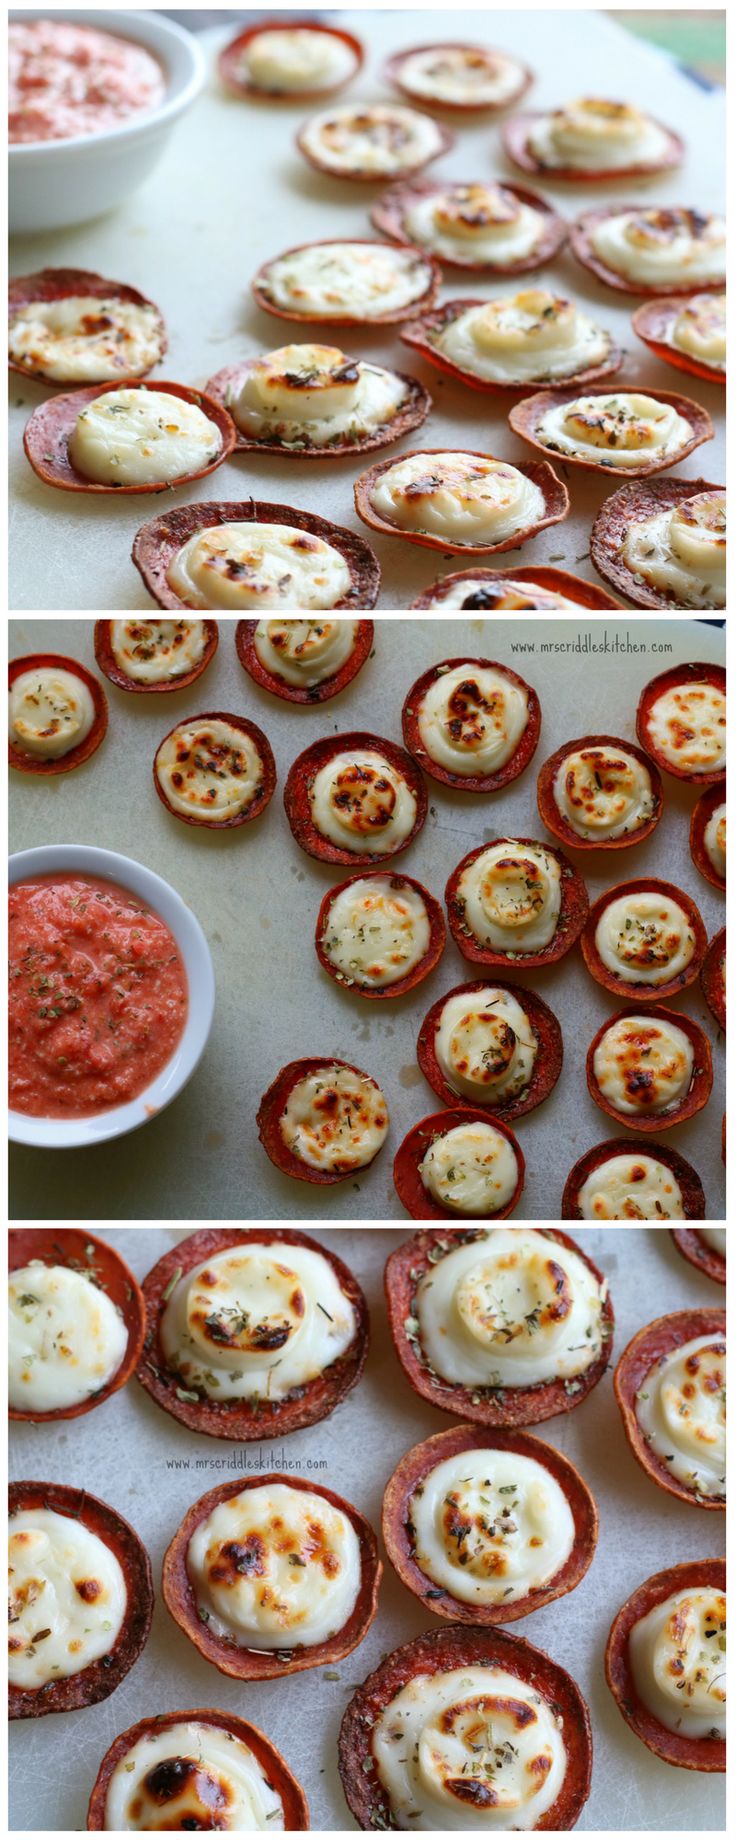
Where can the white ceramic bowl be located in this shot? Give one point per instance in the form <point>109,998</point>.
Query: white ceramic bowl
<point>56,183</point>
<point>72,859</point>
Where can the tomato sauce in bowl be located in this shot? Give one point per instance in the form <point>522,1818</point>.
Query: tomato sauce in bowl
<point>98,996</point>
<point>67,80</point>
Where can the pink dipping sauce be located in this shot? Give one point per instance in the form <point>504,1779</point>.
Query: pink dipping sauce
<point>66,81</point>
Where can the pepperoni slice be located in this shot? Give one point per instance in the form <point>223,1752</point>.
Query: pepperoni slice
<point>50,284</point>
<point>621,987</point>
<point>407,1172</point>
<point>297,801</point>
<point>653,322</point>
<point>692,1245</point>
<point>159,541</point>
<point>515,135</point>
<point>277,1772</point>
<point>64,763</point>
<point>552,817</point>
<point>547,1063</point>
<point>492,583</point>
<point>702,813</point>
<point>225,387</point>
<point>571,919</point>
<point>389,215</point>
<point>635,504</point>
<point>84,1252</point>
<point>691,1187</point>
<point>651,1344</point>
<point>555,495</point>
<point>706,1754</point>
<point>525,419</point>
<point>421,335</point>
<point>698,1092</point>
<point>395,884</point>
<point>712,978</point>
<point>581,244</point>
<point>47,435</point>
<point>245,633</point>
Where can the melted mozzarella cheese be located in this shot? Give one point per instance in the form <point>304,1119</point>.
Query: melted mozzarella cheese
<point>663,246</point>
<point>467,498</point>
<point>471,1170</point>
<point>66,1337</point>
<point>631,1187</point>
<point>511,896</point>
<point>591,135</point>
<point>687,725</point>
<point>485,1045</point>
<point>67,1597</point>
<point>152,651</point>
<point>362,802</point>
<point>256,1321</point>
<point>490,1526</point>
<point>208,768</point>
<point>82,339</point>
<point>275,1567</point>
<point>468,593</point>
<point>473,1748</point>
<point>681,1407</point>
<point>304,652</point>
<point>510,1308</point>
<point>471,718</point>
<point>532,337</point>
<point>464,75</point>
<point>677,1654</point>
<point>137,437</point>
<point>700,329</point>
<point>715,1237</point>
<point>376,931</point>
<point>682,551</point>
<point>384,140</point>
<point>603,792</point>
<point>485,224</point>
<point>620,430</point>
<point>335,1119</point>
<point>644,1066</point>
<point>714,838</point>
<point>259,565</point>
<point>50,711</point>
<point>645,938</point>
<point>285,62</point>
<point>191,1775</point>
<point>360,280</point>
<point>311,395</point>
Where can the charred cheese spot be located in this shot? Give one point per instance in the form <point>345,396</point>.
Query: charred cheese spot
<point>485,1044</point>
<point>678,1661</point>
<point>275,1567</point>
<point>699,329</point>
<point>510,897</point>
<point>208,768</point>
<point>335,1119</point>
<point>530,337</point>
<point>490,1525</point>
<point>67,1597</point>
<point>621,430</point>
<point>191,1776</point>
<point>631,1187</point>
<point>472,718</point>
<point>468,498</point>
<point>82,339</point>
<point>603,792</point>
<point>591,134</point>
<point>362,802</point>
<point>50,711</point>
<point>66,1337</point>
<point>313,395</point>
<point>510,1308</point>
<point>645,938</point>
<point>687,725</point>
<point>662,246</point>
<point>153,651</point>
<point>259,565</point>
<point>376,932</point>
<point>482,223</point>
<point>505,596</point>
<point>385,140</point>
<point>643,1065</point>
<point>681,1407</point>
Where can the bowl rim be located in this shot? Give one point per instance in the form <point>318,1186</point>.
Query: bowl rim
<point>157,31</point>
<point>113,866</point>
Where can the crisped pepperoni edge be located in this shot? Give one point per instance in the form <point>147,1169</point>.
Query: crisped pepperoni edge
<point>572,916</point>
<point>656,1340</point>
<point>653,320</point>
<point>445,1649</point>
<point>271,1110</point>
<point>696,1250</point>
<point>696,672</point>
<point>688,1178</point>
<point>556,581</point>
<point>100,1678</point>
<point>471,782</point>
<point>227,62</point>
<point>356,175</point>
<point>547,1066</point>
<point>495,1407</point>
<point>555,494</point>
<point>634,503</point>
<point>158,542</point>
<point>700,817</point>
<point>410,415</point>
<point>388,216</point>
<point>275,1769</point>
<point>418,336</point>
<point>72,1246</point>
<point>46,436</point>
<point>413,1195</point>
<point>582,247</point>
<point>701,1083</point>
<point>525,415</point>
<point>240,1420</point>
<point>398,1534</point>
<point>245,646</point>
<point>711,980</point>
<point>268,1664</point>
<point>423,967</point>
<point>109,665</point>
<point>515,136</point>
<point>25,763</point>
<point>643,993</point>
<point>705,1754</point>
<point>392,74</point>
<point>296,796</point>
<point>259,288</point>
<point>268,782</point>
<point>61,283</point>
<point>552,818</point>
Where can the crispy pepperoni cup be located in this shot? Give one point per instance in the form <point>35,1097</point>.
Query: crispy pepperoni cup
<point>226,384</point>
<point>547,1066</point>
<point>699,1090</point>
<point>421,336</point>
<point>400,1541</point>
<point>426,964</point>
<point>52,284</point>
<point>653,323</point>
<point>413,1195</point>
<point>264,791</point>
<point>572,916</point>
<point>669,680</point>
<point>277,1772</point>
<point>470,782</point>
<point>389,216</point>
<point>447,1649</point>
<point>689,1181</point>
<point>236,81</point>
<point>393,72</point>
<point>516,132</point>
<point>581,244</point>
<point>64,763</point>
<point>526,416</point>
<point>100,1678</point>
<point>271,1111</point>
<point>98,1260</point>
<point>643,992</point>
<point>357,175</point>
<point>702,813</point>
<point>298,808</point>
<point>555,495</point>
<point>261,291</point>
<point>693,1247</point>
<point>635,504</point>
<point>262,1663</point>
<point>245,634</point>
<point>646,1349</point>
<point>47,435</point>
<point>158,542</point>
<point>552,817</point>
<point>492,582</point>
<point>108,662</point>
<point>706,1754</point>
<point>712,978</point>
<point>241,1420</point>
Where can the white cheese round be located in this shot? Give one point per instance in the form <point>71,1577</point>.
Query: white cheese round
<point>631,1187</point>
<point>645,938</point>
<point>335,1119</point>
<point>471,1170</point>
<point>359,280</point>
<point>603,792</point>
<point>473,1748</point>
<point>715,1237</point>
<point>700,329</point>
<point>644,1066</point>
<point>687,724</point>
<point>66,1337</point>
<point>136,437</point>
<point>256,1321</point>
<point>382,140</point>
<point>464,497</point>
<point>490,1526</point>
<point>153,651</point>
<point>472,717</point>
<point>511,896</point>
<point>304,653</point>
<point>714,838</point>
<point>596,136</point>
<point>485,1045</point>
<point>82,339</point>
<point>50,711</point>
<point>376,932</point>
<point>677,1654</point>
<point>361,802</point>
<point>311,395</point>
<point>681,1408</point>
<point>510,1308</point>
<point>485,224</point>
<point>623,429</point>
<point>259,565</point>
<point>67,1597</point>
<point>662,246</point>
<point>296,58</point>
<point>208,768</point>
<point>467,76</point>
<point>531,337</point>
<point>682,551</point>
<point>274,1568</point>
<point>186,1776</point>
